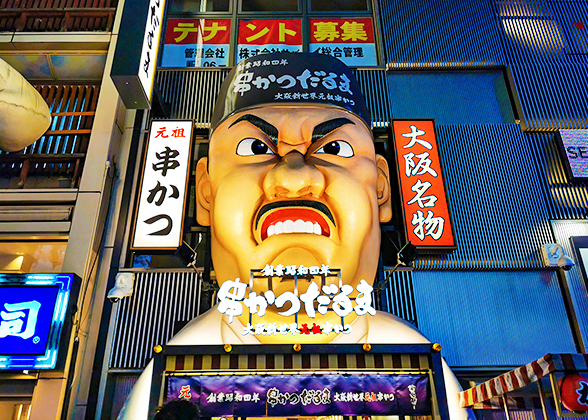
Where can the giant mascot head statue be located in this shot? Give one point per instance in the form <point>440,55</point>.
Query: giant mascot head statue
<point>292,177</point>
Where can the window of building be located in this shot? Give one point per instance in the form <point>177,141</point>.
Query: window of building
<point>269,6</point>
<point>199,6</point>
<point>338,6</point>
<point>32,257</point>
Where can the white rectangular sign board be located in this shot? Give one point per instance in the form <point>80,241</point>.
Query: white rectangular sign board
<point>160,210</point>
<point>151,45</point>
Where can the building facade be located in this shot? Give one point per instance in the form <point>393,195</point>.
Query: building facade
<point>503,82</point>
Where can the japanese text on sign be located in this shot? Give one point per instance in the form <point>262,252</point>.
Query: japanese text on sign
<point>294,395</point>
<point>163,189</point>
<point>264,36</point>
<point>197,43</point>
<point>426,210</point>
<point>328,297</point>
<point>295,86</point>
<point>350,40</point>
<point>151,45</point>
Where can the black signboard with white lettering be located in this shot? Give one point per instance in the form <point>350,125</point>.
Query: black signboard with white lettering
<point>135,58</point>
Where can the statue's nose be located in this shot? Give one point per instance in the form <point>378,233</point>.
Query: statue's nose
<point>293,177</point>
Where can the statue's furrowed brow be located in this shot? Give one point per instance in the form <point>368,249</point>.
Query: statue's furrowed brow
<point>327,127</point>
<point>269,130</point>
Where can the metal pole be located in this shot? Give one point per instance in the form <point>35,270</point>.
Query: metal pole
<point>505,406</point>
<point>543,401</point>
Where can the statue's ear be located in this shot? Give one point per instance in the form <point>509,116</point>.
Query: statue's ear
<point>383,189</point>
<point>203,193</point>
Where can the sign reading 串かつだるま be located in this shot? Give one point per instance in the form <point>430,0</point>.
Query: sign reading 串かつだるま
<point>333,296</point>
<point>307,395</point>
<point>160,211</point>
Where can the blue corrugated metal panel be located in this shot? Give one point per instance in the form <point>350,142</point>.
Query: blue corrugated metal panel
<point>374,85</point>
<point>451,97</point>
<point>563,230</point>
<point>542,47</point>
<point>440,33</point>
<point>191,93</point>
<point>500,220</point>
<point>565,200</point>
<point>492,318</point>
<point>398,295</point>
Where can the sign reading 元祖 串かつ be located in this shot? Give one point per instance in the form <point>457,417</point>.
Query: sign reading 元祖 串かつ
<point>422,188</point>
<point>160,211</point>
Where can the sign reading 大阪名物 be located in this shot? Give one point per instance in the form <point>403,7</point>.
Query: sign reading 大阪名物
<point>422,187</point>
<point>304,395</point>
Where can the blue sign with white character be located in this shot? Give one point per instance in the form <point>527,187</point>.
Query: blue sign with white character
<point>25,319</point>
<point>32,313</point>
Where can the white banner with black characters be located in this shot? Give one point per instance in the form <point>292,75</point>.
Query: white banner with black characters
<point>160,210</point>
<point>151,45</point>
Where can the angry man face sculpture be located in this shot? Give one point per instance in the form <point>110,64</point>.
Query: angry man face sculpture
<point>292,177</point>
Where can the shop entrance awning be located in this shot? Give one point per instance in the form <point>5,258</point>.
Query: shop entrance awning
<point>488,394</point>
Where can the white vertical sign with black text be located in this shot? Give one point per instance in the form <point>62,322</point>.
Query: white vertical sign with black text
<point>151,45</point>
<point>160,211</point>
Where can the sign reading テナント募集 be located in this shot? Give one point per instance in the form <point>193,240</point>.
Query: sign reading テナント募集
<point>160,212</point>
<point>350,40</point>
<point>422,188</point>
<point>264,36</point>
<point>196,43</point>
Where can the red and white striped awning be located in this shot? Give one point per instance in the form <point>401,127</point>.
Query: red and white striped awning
<point>522,376</point>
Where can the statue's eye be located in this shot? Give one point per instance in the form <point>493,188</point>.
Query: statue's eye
<point>337,148</point>
<point>250,147</point>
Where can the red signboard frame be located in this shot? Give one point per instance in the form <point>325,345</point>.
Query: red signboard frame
<point>425,208</point>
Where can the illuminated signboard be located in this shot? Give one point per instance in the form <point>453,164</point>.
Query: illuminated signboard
<point>135,58</point>
<point>331,295</point>
<point>422,188</point>
<point>304,395</point>
<point>160,212</point>
<point>33,309</point>
<point>574,146</point>
<point>349,40</point>
<point>196,43</point>
<point>264,36</point>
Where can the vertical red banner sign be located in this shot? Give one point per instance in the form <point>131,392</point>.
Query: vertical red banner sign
<point>422,188</point>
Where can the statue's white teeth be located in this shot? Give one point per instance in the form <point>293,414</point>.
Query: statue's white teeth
<point>317,229</point>
<point>290,226</point>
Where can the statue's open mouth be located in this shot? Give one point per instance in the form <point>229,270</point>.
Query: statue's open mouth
<point>298,216</point>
